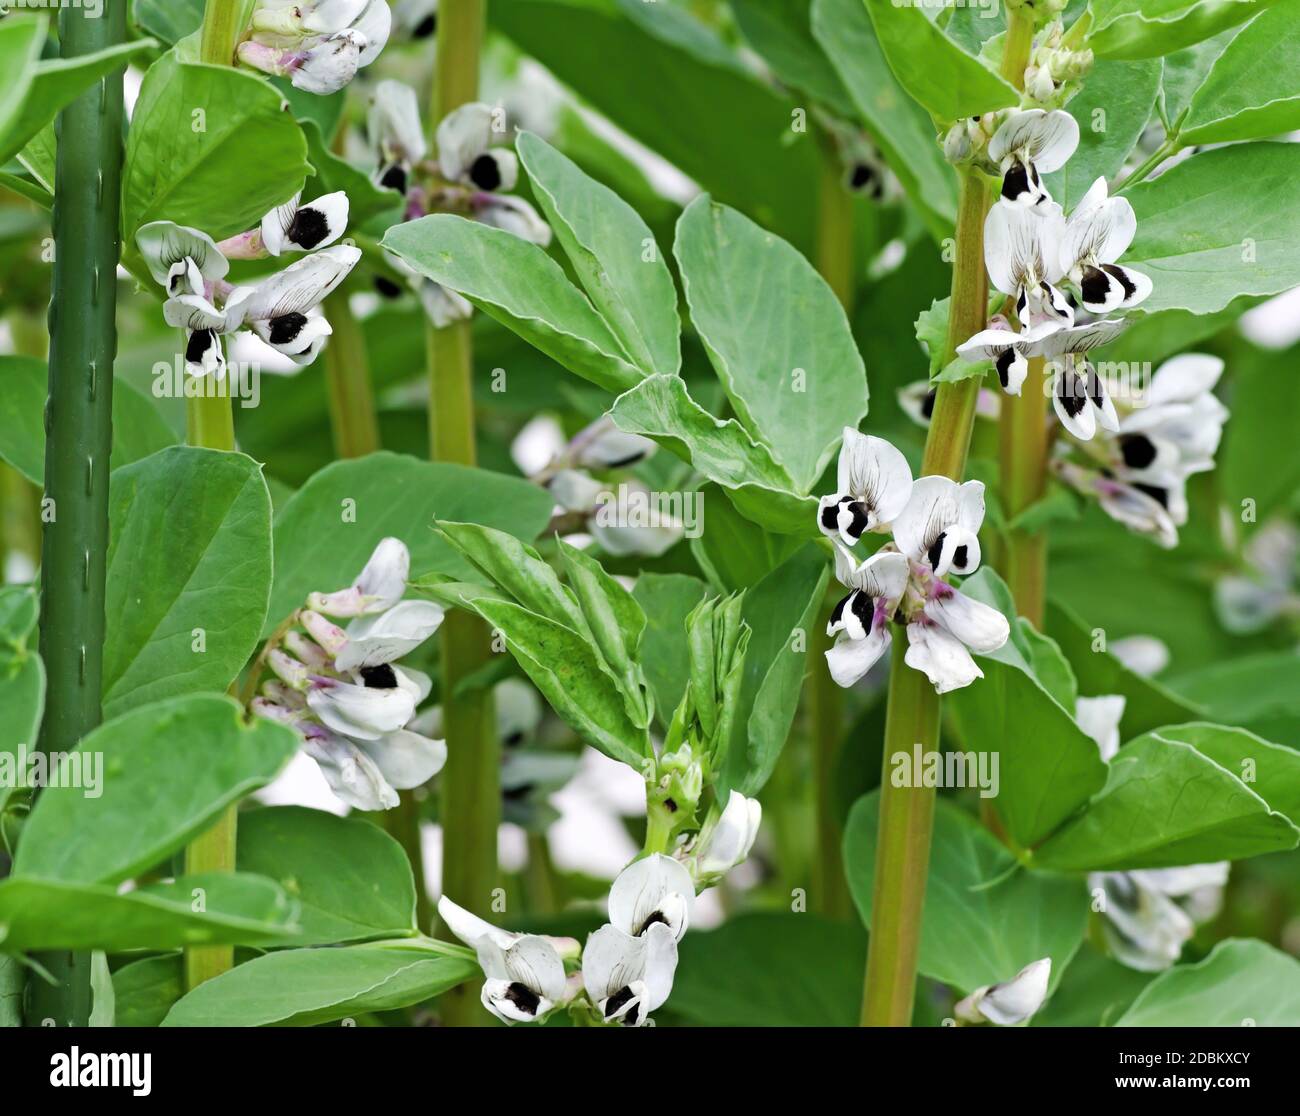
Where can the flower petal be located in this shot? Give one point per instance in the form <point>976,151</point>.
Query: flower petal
<point>514,215</point>
<point>980,627</point>
<point>875,472</point>
<point>351,774</point>
<point>393,123</point>
<point>941,657</point>
<point>360,712</point>
<point>1017,999</point>
<point>655,889</point>
<point>1099,718</point>
<point>297,289</point>
<point>164,243</point>
<point>463,135</point>
<point>406,759</point>
<point>386,636</point>
<point>850,659</point>
<point>937,504</point>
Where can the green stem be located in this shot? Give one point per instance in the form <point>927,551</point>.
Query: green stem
<point>209,422</point>
<point>471,780</point>
<point>83,341</point>
<point>1171,146</point>
<point>912,718</point>
<point>825,700</point>
<point>347,371</point>
<point>902,850</point>
<point>1023,459</point>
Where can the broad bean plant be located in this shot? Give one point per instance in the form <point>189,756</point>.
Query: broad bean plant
<point>602,513</point>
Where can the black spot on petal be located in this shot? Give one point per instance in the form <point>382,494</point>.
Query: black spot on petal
<point>199,342</point>
<point>379,677</point>
<point>308,228</point>
<point>523,997</point>
<point>617,1000</point>
<point>861,606</point>
<point>1015,182</point>
<point>858,519</point>
<point>394,178</point>
<point>1158,494</point>
<point>927,404</point>
<point>936,551</point>
<point>386,287</point>
<point>1094,286</point>
<point>837,613</point>
<point>959,557</point>
<point>1006,358</point>
<point>830,517</point>
<point>286,327</point>
<point>426,27</point>
<point>484,173</point>
<point>1121,277</point>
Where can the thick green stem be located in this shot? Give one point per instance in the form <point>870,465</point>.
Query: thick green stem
<point>902,850</point>
<point>347,371</point>
<point>471,781</point>
<point>83,342</point>
<point>1023,455</point>
<point>209,421</point>
<point>907,813</point>
<point>1171,146</point>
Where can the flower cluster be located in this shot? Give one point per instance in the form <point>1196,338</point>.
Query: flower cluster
<point>626,970</point>
<point>935,522</point>
<point>319,45</point>
<point>283,310</point>
<point>1138,472</point>
<point>1061,275</point>
<point>471,176</point>
<point>343,690</point>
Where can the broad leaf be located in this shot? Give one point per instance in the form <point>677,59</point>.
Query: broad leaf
<point>138,428</point>
<point>307,987</point>
<point>662,409</point>
<point>1164,805</point>
<point>744,973</point>
<point>776,335</point>
<point>22,685</point>
<point>145,990</point>
<point>1253,88</point>
<point>1149,28</point>
<point>188,585</point>
<point>59,914</point>
<point>20,50</point>
<point>666,599</point>
<point>157,777</point>
<point>211,147</point>
<point>985,916</point>
<point>351,880</point>
<point>326,531</point>
<point>946,81</point>
<point>781,32</point>
<point>901,128</point>
<point>1241,984</point>
<point>1204,241</point>
<point>613,254</point>
<point>735,552</point>
<point>1259,692</point>
<point>520,286</point>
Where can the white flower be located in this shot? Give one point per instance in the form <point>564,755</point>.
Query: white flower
<point>418,18</point>
<point>524,973</point>
<point>1022,250</point>
<point>1099,717</point>
<point>727,844</point>
<point>654,890</point>
<point>1177,430</point>
<point>860,621</point>
<point>623,519</point>
<point>1099,231</point>
<point>443,305</point>
<point>626,976</point>
<point>1030,143</point>
<point>305,227</point>
<point>1009,351</point>
<point>362,711</point>
<point>873,483</point>
<point>602,445</point>
<point>1150,915</point>
<point>179,257</point>
<point>465,151</point>
<point>937,532</point>
<point>1144,655</point>
<point>1079,394</point>
<point>1249,601</point>
<point>513,215</point>
<point>380,638</point>
<point>318,46</point>
<point>282,308</point>
<point>1010,1002</point>
<point>394,130</point>
<point>367,774</point>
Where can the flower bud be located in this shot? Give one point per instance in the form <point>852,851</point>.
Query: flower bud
<point>957,143</point>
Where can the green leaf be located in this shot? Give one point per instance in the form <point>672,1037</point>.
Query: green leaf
<point>169,20</point>
<point>776,336</point>
<point>1241,983</point>
<point>1112,109</point>
<point>1270,770</point>
<point>736,552</point>
<point>1150,28</point>
<point>22,685</point>
<point>13,982</point>
<point>935,71</point>
<point>1251,91</point>
<point>781,32</point>
<point>352,881</point>
<point>661,408</point>
<point>158,776</point>
<point>1259,692</point>
<point>138,428</point>
<point>145,990</point>
<point>900,127</point>
<point>1204,241</point>
<point>743,973</point>
<point>1265,415</point>
<point>211,147</point>
<point>307,987</point>
<point>565,667</point>
<point>365,199</point>
<point>985,917</point>
<point>1164,804</point>
<point>1184,70</point>
<point>59,914</point>
<point>666,600</point>
<point>327,530</point>
<point>56,83</point>
<point>189,574</point>
<point>520,286</point>
<point>780,610</point>
<point>20,51</point>
<point>608,244</point>
<point>1147,704</point>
